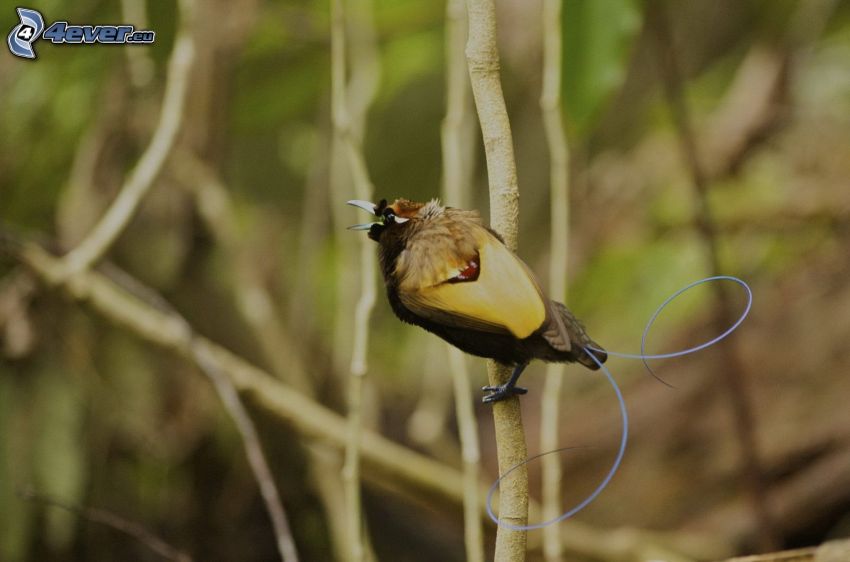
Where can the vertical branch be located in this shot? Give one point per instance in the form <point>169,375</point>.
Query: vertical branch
<point>457,132</point>
<point>550,105</point>
<point>732,369</point>
<point>139,62</point>
<point>350,144</point>
<point>483,60</point>
<point>360,85</point>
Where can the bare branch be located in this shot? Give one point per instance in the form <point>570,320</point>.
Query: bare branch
<point>556,139</point>
<point>139,61</point>
<point>351,144</point>
<point>141,179</point>
<point>832,551</point>
<point>458,167</point>
<point>483,61</point>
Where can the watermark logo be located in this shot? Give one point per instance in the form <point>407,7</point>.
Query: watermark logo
<point>25,33</point>
<point>31,28</point>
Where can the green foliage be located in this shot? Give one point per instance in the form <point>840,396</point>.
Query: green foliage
<point>407,58</point>
<point>597,38</point>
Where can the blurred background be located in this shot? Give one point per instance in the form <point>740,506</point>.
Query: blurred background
<point>243,234</point>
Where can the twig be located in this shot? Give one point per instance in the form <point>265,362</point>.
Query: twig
<point>359,45</point>
<point>312,234</point>
<point>483,60</point>
<point>139,62</point>
<point>733,371</point>
<point>550,105</point>
<point>831,551</point>
<point>141,179</point>
<point>113,521</point>
<point>458,154</point>
<point>253,450</point>
<point>17,335</point>
<point>364,189</point>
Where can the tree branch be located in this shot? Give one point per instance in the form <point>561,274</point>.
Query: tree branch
<point>458,167</point>
<point>141,179</point>
<point>832,551</point>
<point>556,139</point>
<point>483,61</point>
<point>364,189</point>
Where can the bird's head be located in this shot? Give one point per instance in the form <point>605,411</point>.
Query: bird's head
<point>391,217</point>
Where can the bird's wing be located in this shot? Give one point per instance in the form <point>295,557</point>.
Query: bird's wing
<point>484,288</point>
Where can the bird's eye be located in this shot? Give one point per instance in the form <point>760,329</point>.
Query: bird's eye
<point>391,218</point>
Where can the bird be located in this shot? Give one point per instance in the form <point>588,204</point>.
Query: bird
<point>447,272</point>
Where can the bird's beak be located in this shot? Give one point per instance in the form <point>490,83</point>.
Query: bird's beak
<point>366,206</point>
<point>364,226</point>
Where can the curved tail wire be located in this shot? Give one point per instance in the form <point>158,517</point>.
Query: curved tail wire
<point>621,402</point>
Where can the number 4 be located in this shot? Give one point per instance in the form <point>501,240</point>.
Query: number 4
<point>56,32</point>
<point>26,32</point>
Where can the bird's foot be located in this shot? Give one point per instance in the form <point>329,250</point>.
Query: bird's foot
<point>498,393</point>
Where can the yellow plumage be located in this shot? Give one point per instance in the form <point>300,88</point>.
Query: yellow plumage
<point>504,297</point>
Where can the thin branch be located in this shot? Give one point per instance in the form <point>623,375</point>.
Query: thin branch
<point>483,60</point>
<point>556,139</point>
<point>458,154</point>
<point>253,450</point>
<point>139,61</point>
<point>113,521</point>
<point>831,551</point>
<point>471,456</point>
<point>141,179</point>
<point>733,371</point>
<point>17,334</point>
<point>351,144</point>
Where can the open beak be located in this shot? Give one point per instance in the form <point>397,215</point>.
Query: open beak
<point>364,226</point>
<point>366,206</point>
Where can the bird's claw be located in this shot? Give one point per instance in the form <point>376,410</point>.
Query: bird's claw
<point>498,393</point>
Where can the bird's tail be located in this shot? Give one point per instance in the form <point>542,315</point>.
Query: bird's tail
<point>580,343</point>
